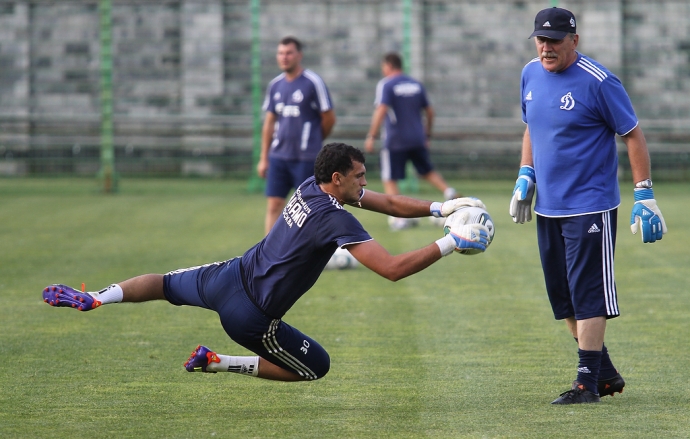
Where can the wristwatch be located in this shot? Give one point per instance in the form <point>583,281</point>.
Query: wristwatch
<point>644,184</point>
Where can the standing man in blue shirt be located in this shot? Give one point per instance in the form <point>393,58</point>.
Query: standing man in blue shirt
<point>400,101</point>
<point>251,293</point>
<point>574,108</point>
<point>299,116</point>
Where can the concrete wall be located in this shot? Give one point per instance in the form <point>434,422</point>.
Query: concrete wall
<point>182,68</point>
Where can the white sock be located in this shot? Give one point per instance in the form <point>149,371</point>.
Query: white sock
<point>449,193</point>
<point>111,294</point>
<point>241,365</point>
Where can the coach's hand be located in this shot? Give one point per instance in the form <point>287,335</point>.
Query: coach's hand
<point>521,203</point>
<point>647,217</point>
<point>440,210</point>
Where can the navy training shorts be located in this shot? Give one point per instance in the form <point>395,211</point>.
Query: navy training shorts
<point>284,175</point>
<point>577,257</point>
<point>219,287</point>
<point>393,163</point>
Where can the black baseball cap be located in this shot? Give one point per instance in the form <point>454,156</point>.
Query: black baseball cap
<point>554,23</point>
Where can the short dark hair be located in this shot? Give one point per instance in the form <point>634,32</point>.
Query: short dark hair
<point>393,59</point>
<point>335,157</point>
<point>291,40</point>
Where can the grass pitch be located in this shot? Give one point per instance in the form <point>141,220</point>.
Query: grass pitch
<point>467,348</point>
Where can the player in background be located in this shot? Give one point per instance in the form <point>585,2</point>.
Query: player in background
<point>400,101</point>
<point>299,116</point>
<point>574,107</point>
<point>251,293</point>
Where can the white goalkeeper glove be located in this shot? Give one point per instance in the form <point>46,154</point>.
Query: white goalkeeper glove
<point>647,217</point>
<point>469,236</point>
<point>521,203</point>
<point>441,210</point>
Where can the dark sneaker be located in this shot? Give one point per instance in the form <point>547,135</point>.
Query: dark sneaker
<point>62,295</point>
<point>577,395</point>
<point>200,359</point>
<point>611,385</point>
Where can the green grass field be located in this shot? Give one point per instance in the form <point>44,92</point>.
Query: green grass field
<point>467,348</point>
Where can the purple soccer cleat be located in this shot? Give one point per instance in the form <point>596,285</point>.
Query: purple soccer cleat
<point>200,359</point>
<point>62,295</point>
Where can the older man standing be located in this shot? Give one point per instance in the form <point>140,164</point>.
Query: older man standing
<point>574,108</point>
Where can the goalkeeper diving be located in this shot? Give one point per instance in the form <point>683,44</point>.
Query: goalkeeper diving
<point>252,292</point>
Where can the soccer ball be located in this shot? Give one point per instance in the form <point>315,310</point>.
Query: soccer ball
<point>341,260</point>
<point>469,215</point>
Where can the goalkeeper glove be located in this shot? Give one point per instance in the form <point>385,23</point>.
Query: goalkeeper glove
<point>440,210</point>
<point>647,217</point>
<point>469,236</point>
<point>521,203</point>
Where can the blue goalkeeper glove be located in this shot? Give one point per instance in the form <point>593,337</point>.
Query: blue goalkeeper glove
<point>647,217</point>
<point>471,237</point>
<point>467,237</point>
<point>521,203</point>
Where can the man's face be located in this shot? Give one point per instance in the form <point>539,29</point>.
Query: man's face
<point>351,184</point>
<point>556,55</point>
<point>386,69</point>
<point>288,57</point>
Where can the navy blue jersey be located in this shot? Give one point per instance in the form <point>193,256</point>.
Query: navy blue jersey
<point>405,98</point>
<point>298,105</point>
<point>573,117</point>
<point>289,260</point>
